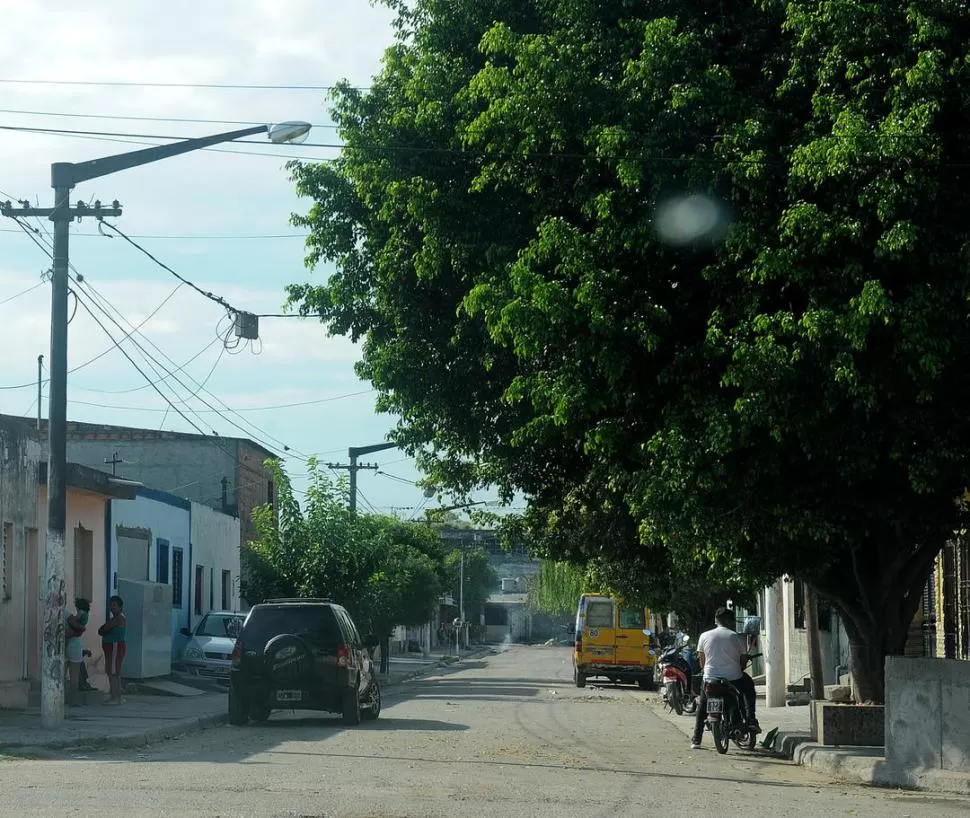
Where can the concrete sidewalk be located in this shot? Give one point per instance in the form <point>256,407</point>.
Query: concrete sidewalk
<point>861,765</point>
<point>145,719</point>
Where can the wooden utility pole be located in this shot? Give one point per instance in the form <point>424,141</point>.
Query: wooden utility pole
<point>814,643</point>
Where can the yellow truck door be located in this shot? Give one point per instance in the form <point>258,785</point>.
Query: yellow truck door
<point>632,644</point>
<point>598,619</point>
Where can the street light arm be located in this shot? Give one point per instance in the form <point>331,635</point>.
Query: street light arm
<point>356,451</point>
<point>69,174</point>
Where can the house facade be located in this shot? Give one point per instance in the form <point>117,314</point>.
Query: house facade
<point>227,474</point>
<point>23,512</point>
<point>160,537</point>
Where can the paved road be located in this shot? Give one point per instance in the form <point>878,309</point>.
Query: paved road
<point>508,735</point>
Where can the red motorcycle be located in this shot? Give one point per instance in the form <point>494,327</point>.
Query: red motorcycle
<point>679,679</point>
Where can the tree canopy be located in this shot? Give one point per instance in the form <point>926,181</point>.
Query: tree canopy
<point>787,399</point>
<point>384,571</point>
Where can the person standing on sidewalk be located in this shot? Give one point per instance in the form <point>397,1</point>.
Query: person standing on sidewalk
<point>113,644</point>
<point>75,625</point>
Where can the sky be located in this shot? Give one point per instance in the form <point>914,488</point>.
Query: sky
<point>219,218</point>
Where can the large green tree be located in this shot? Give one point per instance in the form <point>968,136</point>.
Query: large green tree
<point>789,399</point>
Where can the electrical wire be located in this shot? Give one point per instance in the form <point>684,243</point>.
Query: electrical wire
<point>216,298</point>
<point>128,118</point>
<point>23,292</point>
<point>131,360</point>
<point>177,379</point>
<point>151,362</point>
<point>395,477</point>
<point>213,85</point>
<point>34,234</point>
<point>142,142</point>
<point>180,138</point>
<point>416,149</point>
<point>128,391</point>
<point>239,237</point>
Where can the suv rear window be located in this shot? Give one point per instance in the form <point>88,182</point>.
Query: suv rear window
<point>315,623</point>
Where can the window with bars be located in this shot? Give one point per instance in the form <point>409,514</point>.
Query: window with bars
<point>824,608</point>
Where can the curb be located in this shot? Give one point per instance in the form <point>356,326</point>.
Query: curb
<point>140,738</point>
<point>868,766</point>
<point>427,671</point>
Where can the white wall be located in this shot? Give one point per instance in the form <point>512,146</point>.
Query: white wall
<point>215,547</point>
<point>162,518</point>
<point>796,643</point>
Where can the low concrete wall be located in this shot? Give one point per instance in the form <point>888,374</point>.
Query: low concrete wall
<point>928,714</point>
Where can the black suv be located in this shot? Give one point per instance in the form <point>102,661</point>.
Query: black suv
<point>301,654</point>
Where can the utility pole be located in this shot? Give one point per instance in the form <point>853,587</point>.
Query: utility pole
<point>52,666</point>
<point>814,643</point>
<point>40,389</point>
<point>353,453</point>
<point>64,177</point>
<point>114,461</point>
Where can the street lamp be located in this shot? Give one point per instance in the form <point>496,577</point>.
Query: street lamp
<point>64,176</point>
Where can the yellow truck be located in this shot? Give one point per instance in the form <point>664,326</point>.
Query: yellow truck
<point>611,643</point>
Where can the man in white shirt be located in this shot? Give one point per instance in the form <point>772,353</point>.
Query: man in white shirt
<point>722,654</point>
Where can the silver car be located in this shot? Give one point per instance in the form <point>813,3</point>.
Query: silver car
<point>209,649</point>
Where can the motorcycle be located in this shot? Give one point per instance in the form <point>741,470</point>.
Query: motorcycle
<point>680,676</point>
<point>727,716</point>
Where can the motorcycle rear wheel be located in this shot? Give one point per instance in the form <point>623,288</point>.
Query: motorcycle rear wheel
<point>690,706</point>
<point>720,736</point>
<point>672,694</point>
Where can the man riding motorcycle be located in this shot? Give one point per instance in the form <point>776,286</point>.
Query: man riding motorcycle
<point>723,655</point>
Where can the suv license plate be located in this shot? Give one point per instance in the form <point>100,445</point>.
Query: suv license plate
<point>289,695</point>
<point>715,706</point>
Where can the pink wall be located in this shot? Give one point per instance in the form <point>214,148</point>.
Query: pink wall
<point>86,510</point>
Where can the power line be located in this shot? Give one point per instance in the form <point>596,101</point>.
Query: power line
<point>218,299</point>
<point>130,84</point>
<point>34,235</point>
<point>23,292</point>
<point>148,358</point>
<point>205,411</point>
<point>170,137</point>
<point>183,120</point>
<point>136,141</point>
<point>197,355</point>
<point>237,237</point>
<point>131,360</point>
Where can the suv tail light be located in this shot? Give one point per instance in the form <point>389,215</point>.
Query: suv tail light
<point>343,657</point>
<point>236,654</point>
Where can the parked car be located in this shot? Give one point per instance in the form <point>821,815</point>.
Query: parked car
<point>301,654</point>
<point>209,649</point>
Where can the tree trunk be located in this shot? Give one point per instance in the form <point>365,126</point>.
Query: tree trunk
<point>814,643</point>
<point>872,639</point>
<point>385,654</point>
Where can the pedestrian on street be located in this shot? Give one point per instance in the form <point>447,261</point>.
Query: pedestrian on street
<point>74,625</point>
<point>113,644</point>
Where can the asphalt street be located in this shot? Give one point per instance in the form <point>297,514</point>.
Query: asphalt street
<point>508,735</point>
